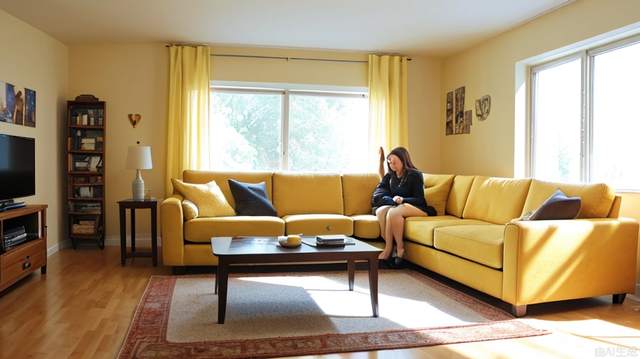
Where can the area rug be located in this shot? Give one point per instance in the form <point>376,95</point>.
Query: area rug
<point>275,315</point>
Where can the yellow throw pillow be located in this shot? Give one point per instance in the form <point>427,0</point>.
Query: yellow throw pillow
<point>207,197</point>
<point>436,197</point>
<point>189,210</point>
<point>436,191</point>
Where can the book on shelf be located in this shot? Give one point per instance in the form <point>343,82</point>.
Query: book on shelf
<point>85,192</point>
<point>87,208</point>
<point>88,144</point>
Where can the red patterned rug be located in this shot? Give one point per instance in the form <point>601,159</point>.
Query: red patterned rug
<point>275,315</point>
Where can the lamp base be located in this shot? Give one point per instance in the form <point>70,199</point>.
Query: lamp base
<point>137,187</point>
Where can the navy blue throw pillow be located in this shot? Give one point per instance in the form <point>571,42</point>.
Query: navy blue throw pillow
<point>251,199</point>
<point>558,206</point>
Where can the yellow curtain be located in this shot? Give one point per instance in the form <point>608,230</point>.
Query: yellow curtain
<point>388,123</point>
<point>188,113</point>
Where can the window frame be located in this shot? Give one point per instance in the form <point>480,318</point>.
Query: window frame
<point>586,57</point>
<point>286,92</point>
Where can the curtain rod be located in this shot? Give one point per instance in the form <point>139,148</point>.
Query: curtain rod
<point>288,58</point>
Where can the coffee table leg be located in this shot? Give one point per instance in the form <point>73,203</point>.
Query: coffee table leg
<point>351,268</point>
<point>373,284</point>
<point>215,288</point>
<point>222,289</point>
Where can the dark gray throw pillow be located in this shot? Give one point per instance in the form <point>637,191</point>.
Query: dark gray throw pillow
<point>558,206</point>
<point>251,199</point>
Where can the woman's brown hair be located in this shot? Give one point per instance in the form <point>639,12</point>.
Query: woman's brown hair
<point>404,157</point>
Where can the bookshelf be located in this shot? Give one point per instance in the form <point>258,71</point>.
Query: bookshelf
<point>85,159</point>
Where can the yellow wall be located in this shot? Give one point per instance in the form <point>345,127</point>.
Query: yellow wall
<point>489,68</point>
<point>33,59</point>
<point>133,79</point>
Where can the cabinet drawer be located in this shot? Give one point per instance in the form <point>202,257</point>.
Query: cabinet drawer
<point>17,270</point>
<point>22,260</point>
<point>18,254</point>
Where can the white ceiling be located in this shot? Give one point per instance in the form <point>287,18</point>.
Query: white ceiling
<point>437,27</point>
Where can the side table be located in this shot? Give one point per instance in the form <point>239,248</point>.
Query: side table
<point>132,205</point>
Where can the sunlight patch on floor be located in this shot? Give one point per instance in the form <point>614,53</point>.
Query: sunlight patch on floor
<point>334,299</point>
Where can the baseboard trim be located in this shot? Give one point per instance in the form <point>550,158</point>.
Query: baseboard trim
<point>57,247</point>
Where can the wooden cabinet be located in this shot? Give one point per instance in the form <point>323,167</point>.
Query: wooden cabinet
<point>85,151</point>
<point>18,261</point>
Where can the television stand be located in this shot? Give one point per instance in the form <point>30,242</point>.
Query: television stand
<point>20,260</point>
<point>10,204</point>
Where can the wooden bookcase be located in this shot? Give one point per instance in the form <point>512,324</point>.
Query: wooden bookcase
<point>18,261</point>
<point>85,151</point>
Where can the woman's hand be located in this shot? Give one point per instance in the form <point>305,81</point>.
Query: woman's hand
<point>398,199</point>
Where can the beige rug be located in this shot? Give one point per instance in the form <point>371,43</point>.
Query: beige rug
<point>272,315</point>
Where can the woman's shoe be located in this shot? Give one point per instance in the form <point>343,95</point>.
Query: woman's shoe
<point>398,261</point>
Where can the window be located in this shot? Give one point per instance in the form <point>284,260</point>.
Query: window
<point>260,129</point>
<point>583,126</point>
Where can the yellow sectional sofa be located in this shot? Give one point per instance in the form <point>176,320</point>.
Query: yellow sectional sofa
<point>476,239</point>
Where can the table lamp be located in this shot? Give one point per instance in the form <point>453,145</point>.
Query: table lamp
<point>139,158</point>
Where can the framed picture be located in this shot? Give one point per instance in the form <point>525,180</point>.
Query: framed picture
<point>466,128</point>
<point>7,102</point>
<point>449,118</point>
<point>18,109</point>
<point>30,108</point>
<point>459,111</point>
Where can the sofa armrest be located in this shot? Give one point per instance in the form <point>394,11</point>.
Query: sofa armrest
<point>566,259</point>
<point>172,221</point>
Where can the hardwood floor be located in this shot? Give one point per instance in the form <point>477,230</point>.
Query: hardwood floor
<point>83,306</point>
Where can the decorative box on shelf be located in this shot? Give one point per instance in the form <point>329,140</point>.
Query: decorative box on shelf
<point>85,151</point>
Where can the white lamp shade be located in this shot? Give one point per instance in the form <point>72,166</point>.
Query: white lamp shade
<point>139,158</point>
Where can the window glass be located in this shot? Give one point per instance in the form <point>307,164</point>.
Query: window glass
<point>327,133</point>
<point>557,123</point>
<point>246,131</point>
<point>616,125</point>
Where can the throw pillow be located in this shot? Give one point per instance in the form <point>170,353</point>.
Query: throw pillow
<point>207,197</point>
<point>436,196</point>
<point>189,210</point>
<point>436,191</point>
<point>558,206</point>
<point>251,199</point>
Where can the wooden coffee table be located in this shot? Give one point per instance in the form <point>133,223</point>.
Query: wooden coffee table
<point>255,250</point>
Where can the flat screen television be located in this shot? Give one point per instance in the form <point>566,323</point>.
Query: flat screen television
<point>17,167</point>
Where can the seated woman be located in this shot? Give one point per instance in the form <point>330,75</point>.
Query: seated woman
<point>399,194</point>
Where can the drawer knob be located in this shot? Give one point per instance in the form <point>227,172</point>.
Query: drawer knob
<point>26,265</point>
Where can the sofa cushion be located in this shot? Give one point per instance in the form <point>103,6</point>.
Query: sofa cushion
<point>458,195</point>
<point>251,199</point>
<point>222,179</point>
<point>496,200</point>
<point>202,229</point>
<point>207,197</point>
<point>478,243</point>
<point>436,191</point>
<point>357,190</point>
<point>307,193</point>
<point>315,224</point>
<point>597,198</point>
<point>366,226</point>
<point>420,229</point>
